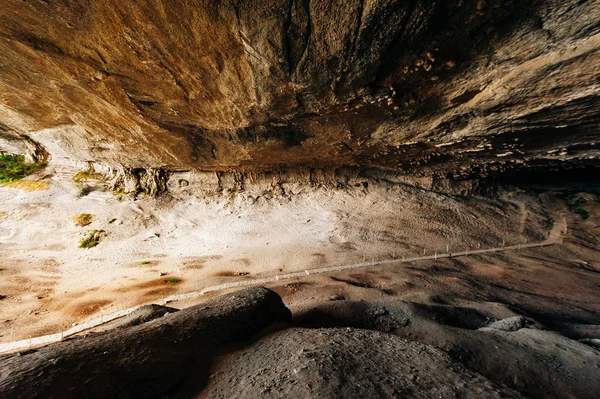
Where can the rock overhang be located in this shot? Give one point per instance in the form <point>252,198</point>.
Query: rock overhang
<point>419,88</point>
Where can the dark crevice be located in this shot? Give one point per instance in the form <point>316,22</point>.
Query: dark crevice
<point>288,40</point>
<point>305,39</point>
<point>350,54</point>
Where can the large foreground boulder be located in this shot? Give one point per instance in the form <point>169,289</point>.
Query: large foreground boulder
<point>514,351</point>
<point>345,363</point>
<point>148,360</point>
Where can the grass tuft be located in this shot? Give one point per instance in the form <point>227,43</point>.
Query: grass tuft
<point>85,175</point>
<point>585,215</point>
<point>91,240</point>
<point>14,167</point>
<point>83,219</point>
<point>576,203</point>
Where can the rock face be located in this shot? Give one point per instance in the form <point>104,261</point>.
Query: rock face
<point>148,360</point>
<point>448,88</point>
<point>515,351</point>
<point>244,345</point>
<point>144,314</point>
<point>346,363</point>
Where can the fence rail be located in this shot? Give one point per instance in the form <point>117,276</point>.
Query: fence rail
<point>98,321</point>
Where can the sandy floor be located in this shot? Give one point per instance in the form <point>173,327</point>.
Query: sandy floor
<point>47,282</point>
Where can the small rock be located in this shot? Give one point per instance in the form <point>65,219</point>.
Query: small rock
<point>380,311</point>
<point>514,324</point>
<point>591,341</point>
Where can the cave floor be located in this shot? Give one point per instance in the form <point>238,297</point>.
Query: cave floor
<point>156,247</point>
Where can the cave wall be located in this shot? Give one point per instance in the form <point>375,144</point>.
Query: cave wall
<point>418,87</point>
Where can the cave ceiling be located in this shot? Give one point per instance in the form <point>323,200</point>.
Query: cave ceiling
<point>413,86</point>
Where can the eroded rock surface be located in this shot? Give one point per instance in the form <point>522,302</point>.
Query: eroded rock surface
<point>148,360</point>
<point>346,363</point>
<point>515,351</point>
<point>145,314</point>
<point>458,88</point>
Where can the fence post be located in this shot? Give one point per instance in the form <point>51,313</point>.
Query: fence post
<point>435,256</point>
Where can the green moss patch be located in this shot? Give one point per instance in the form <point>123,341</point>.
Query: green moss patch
<point>92,239</point>
<point>14,167</point>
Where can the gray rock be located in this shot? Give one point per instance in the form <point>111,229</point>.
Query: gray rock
<point>514,324</point>
<point>144,314</point>
<point>346,363</point>
<point>148,360</point>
